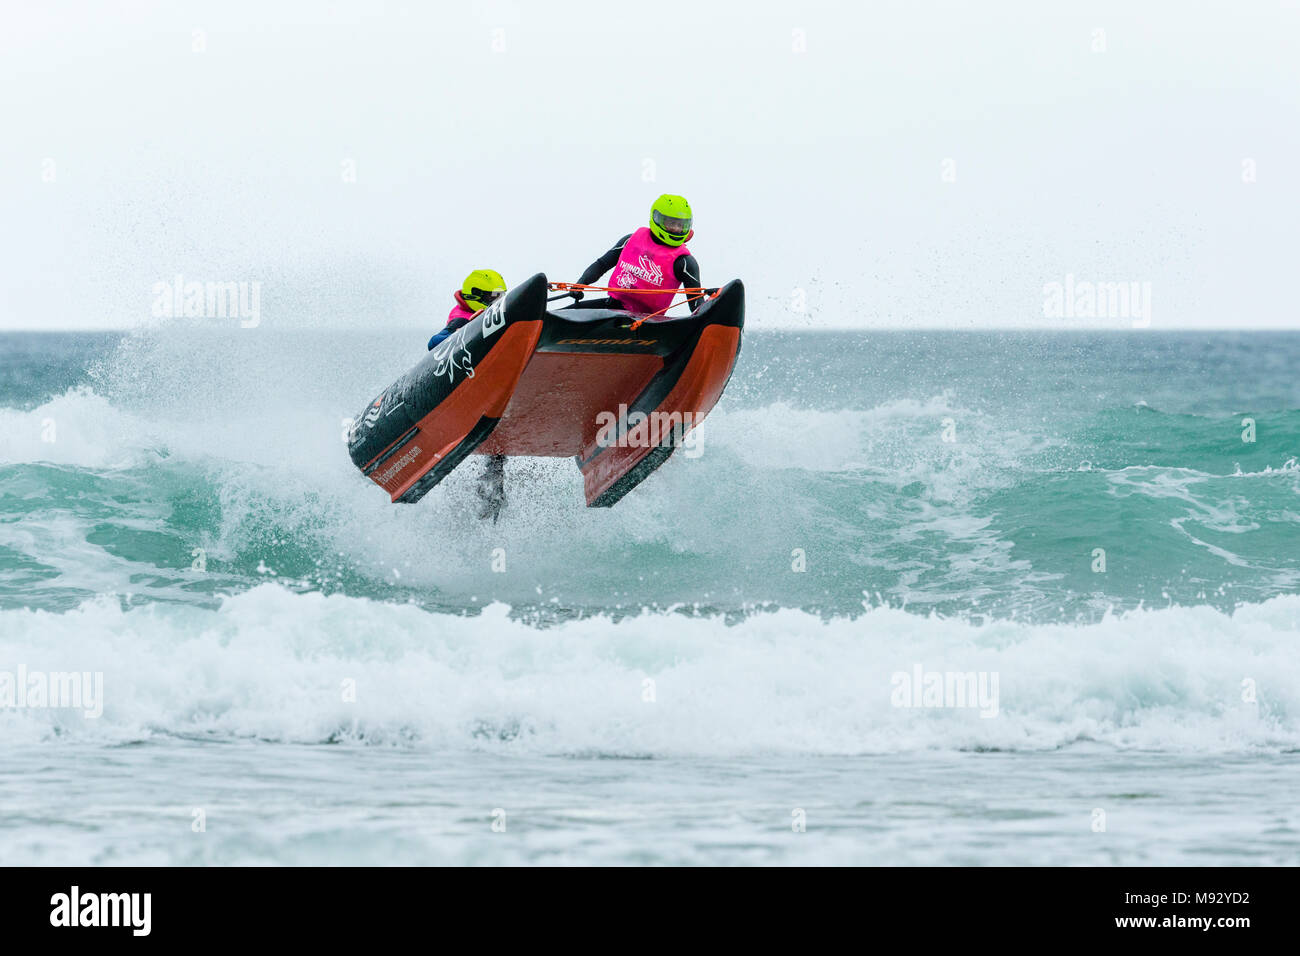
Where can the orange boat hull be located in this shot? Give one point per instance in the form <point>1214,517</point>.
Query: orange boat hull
<point>518,380</point>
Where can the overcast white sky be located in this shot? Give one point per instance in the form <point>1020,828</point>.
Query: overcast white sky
<point>810,138</point>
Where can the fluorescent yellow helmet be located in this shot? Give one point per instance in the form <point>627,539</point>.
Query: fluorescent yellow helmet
<point>482,287</point>
<point>670,219</point>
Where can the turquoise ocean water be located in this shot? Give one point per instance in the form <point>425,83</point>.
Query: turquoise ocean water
<point>1106,526</point>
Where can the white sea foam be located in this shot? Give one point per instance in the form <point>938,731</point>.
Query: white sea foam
<point>276,459</point>
<point>272,664</point>
<point>77,428</point>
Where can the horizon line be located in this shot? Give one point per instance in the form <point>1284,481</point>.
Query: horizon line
<point>120,330</point>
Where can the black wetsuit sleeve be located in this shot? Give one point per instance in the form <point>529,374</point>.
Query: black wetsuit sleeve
<point>451,326</point>
<point>687,272</point>
<point>604,263</point>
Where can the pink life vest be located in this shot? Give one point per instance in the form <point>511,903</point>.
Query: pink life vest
<point>646,264</point>
<point>461,310</point>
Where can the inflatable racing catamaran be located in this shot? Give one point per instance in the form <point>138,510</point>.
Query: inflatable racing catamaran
<point>615,392</point>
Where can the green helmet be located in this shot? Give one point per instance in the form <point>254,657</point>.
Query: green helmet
<point>482,287</point>
<point>670,220</point>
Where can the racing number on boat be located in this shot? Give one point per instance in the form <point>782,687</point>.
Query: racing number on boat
<point>494,318</point>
